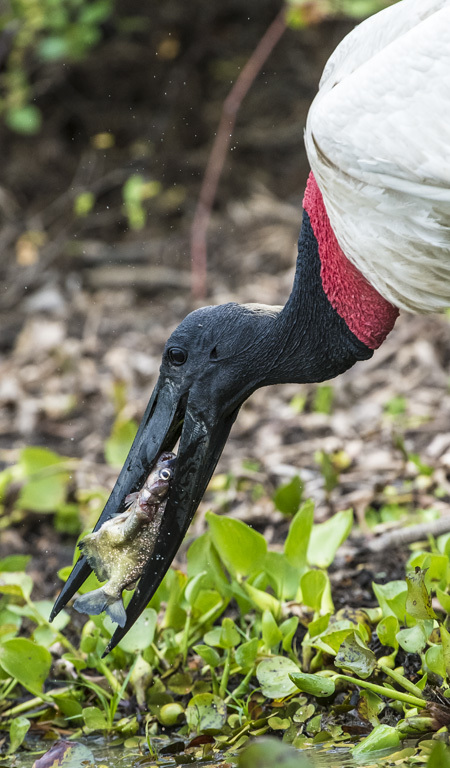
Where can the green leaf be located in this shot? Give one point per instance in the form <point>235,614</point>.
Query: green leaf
<point>327,537</point>
<point>83,204</point>
<point>283,577</point>
<point>392,598</point>
<point>434,659</point>
<point>26,119</point>
<point>439,756</point>
<point>246,654</point>
<point>418,601</point>
<point>229,636</point>
<point>270,631</point>
<point>26,662</point>
<point>140,635</point>
<point>297,540</point>
<point>288,629</point>
<point>209,655</point>
<point>382,737</point>
<point>17,732</point>
<point>355,656</point>
<point>287,498</point>
<point>19,584</point>
<point>240,547</point>
<point>206,713</point>
<point>95,719</point>
<point>313,584</point>
<point>267,753</point>
<point>262,600</point>
<point>387,630</point>
<point>274,677</point>
<point>414,639</point>
<point>33,460</point>
<point>316,685</point>
<point>119,442</point>
<point>14,563</point>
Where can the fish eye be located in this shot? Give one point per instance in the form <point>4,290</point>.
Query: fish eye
<point>177,356</point>
<point>165,474</point>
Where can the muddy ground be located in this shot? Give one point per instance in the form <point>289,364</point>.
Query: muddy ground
<point>87,302</point>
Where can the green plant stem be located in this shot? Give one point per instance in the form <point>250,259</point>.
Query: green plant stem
<point>106,672</point>
<point>401,680</point>
<point>185,638</point>
<point>35,702</point>
<point>225,674</point>
<point>242,687</point>
<point>414,701</point>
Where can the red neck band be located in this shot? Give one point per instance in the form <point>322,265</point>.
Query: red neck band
<point>368,315</point>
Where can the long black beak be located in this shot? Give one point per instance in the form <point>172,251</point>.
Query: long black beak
<point>169,416</point>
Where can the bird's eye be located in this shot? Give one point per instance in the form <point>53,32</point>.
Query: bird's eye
<point>165,474</point>
<point>177,356</point>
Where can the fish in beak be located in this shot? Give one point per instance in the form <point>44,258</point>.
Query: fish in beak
<point>203,382</point>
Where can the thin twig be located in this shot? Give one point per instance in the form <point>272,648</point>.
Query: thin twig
<point>220,147</point>
<point>402,536</point>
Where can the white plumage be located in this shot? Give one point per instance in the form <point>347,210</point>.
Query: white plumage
<point>378,141</point>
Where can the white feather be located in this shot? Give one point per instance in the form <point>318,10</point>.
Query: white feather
<point>378,141</point>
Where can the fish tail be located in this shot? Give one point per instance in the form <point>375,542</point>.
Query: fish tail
<point>98,601</point>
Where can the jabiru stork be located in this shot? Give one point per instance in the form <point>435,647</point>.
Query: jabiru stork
<point>375,238</point>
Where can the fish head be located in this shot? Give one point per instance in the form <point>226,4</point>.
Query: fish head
<point>158,482</point>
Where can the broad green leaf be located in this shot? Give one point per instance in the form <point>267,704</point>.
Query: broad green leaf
<point>26,120</point>
<point>206,713</point>
<point>387,630</point>
<point>434,659</point>
<point>140,635</point>
<point>273,677</point>
<point>245,654</point>
<point>288,629</point>
<point>45,494</point>
<point>445,639</point>
<point>355,656</point>
<point>240,547</point>
<point>270,631</point>
<point>66,754</point>
<point>284,578</point>
<point>439,756</point>
<point>229,636</point>
<point>316,685</point>
<point>33,460</point>
<point>263,600</point>
<point>70,708</point>
<point>444,599</point>
<point>297,540</point>
<point>414,639</point>
<point>287,498</point>
<point>418,601</point>
<point>268,753</point>
<point>208,654</point>
<point>119,443</point>
<point>193,587</point>
<point>370,706</point>
<point>327,537</point>
<point>26,662</point>
<point>313,584</point>
<point>17,732</point>
<point>14,563</point>
<point>382,737</point>
<point>95,719</point>
<point>19,584</point>
<point>392,598</point>
<point>202,557</point>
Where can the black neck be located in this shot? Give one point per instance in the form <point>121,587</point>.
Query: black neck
<point>316,342</point>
